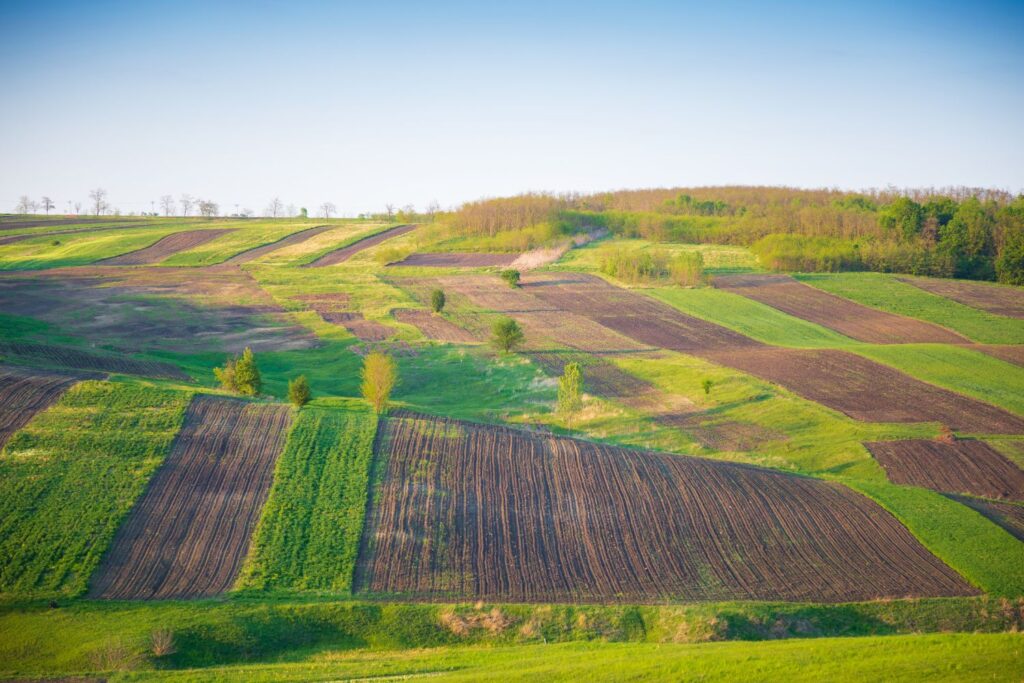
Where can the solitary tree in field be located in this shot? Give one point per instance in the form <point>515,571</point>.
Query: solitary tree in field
<point>511,277</point>
<point>570,392</point>
<point>99,200</point>
<point>187,203</point>
<point>507,334</point>
<point>379,377</point>
<point>707,384</point>
<point>327,208</point>
<point>47,204</point>
<point>437,300</point>
<point>24,204</point>
<point>241,374</point>
<point>167,204</point>
<point>274,208</point>
<point>298,391</point>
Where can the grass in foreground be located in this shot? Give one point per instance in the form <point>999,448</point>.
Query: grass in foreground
<point>69,477</point>
<point>308,536</point>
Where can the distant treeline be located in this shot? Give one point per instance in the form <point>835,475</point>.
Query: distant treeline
<point>951,232</point>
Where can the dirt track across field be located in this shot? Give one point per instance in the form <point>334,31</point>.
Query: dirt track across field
<point>998,299</point>
<point>189,533</point>
<point>292,239</point>
<point>337,256</point>
<point>842,315</point>
<point>26,391</point>
<point>467,512</point>
<point>164,248</point>
<point>964,466</point>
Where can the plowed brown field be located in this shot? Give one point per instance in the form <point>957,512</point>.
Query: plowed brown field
<point>165,247</point>
<point>964,466</point>
<point>1011,354</point>
<point>78,359</point>
<point>1010,516</point>
<point>434,326</point>
<point>24,392</point>
<point>188,534</point>
<point>998,299</point>
<point>363,329</point>
<point>456,260</point>
<point>842,315</point>
<point>345,253</point>
<point>473,512</point>
<point>292,239</point>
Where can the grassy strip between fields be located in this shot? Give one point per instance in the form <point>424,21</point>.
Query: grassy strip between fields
<point>96,637</point>
<point>985,554</point>
<point>309,534</point>
<point>889,294</point>
<point>245,235</point>
<point>69,477</point>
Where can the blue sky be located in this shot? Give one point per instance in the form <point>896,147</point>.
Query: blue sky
<point>368,103</point>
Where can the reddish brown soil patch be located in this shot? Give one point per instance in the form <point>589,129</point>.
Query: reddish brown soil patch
<point>842,315</point>
<point>365,330</point>
<point>456,260</point>
<point>188,534</point>
<point>78,359</point>
<point>337,256</point>
<point>1011,354</point>
<point>165,247</point>
<point>292,239</point>
<point>998,299</point>
<point>1007,515</point>
<point>868,391</point>
<point>965,466</point>
<point>473,512</point>
<point>24,392</point>
<point>434,326</point>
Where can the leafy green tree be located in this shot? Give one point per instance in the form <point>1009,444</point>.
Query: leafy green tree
<point>298,391</point>
<point>970,239</point>
<point>247,374</point>
<point>904,217</point>
<point>707,384</point>
<point>226,375</point>
<point>437,300</point>
<point>380,374</point>
<point>507,334</point>
<point>570,392</point>
<point>1010,263</point>
<point>511,277</point>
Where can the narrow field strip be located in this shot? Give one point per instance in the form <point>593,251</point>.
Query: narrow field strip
<point>26,391</point>
<point>288,241</point>
<point>78,359</point>
<point>167,246</point>
<point>470,512</point>
<point>188,535</point>
<point>333,258</point>
<point>963,466</point>
<point>998,299</point>
<point>457,260</point>
<point>434,326</point>
<point>1009,516</point>
<point>309,535</point>
<point>842,315</point>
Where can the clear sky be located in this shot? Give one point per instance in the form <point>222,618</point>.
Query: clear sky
<point>366,103</point>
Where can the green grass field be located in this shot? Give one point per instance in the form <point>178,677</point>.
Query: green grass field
<point>70,476</point>
<point>79,249</point>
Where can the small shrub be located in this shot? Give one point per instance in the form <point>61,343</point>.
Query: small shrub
<point>707,384</point>
<point>507,335</point>
<point>511,277</point>
<point>55,243</point>
<point>298,391</point>
<point>570,392</point>
<point>240,375</point>
<point>162,642</point>
<point>437,300</point>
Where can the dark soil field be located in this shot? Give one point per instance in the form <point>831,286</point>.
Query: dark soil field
<point>964,466</point>
<point>842,315</point>
<point>1001,300</point>
<point>1010,516</point>
<point>24,392</point>
<point>168,246</point>
<point>457,260</point>
<point>189,533</point>
<point>294,238</point>
<point>345,253</point>
<point>868,391</point>
<point>434,326</point>
<point>471,512</point>
<point>77,359</point>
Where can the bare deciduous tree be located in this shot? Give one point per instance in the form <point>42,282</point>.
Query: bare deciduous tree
<point>24,204</point>
<point>274,208</point>
<point>208,208</point>
<point>432,209</point>
<point>78,208</point>
<point>47,204</point>
<point>99,200</point>
<point>167,204</point>
<point>187,202</point>
<point>327,208</point>
<point>389,210</point>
